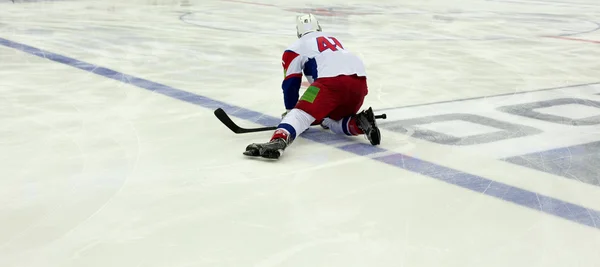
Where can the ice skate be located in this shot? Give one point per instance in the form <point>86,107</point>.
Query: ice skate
<point>366,122</point>
<point>271,150</point>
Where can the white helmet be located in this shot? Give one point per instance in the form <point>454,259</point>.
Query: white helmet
<point>307,23</point>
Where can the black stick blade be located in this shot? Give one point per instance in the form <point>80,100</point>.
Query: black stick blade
<point>225,119</point>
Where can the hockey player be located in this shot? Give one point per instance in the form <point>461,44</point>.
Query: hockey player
<point>338,88</point>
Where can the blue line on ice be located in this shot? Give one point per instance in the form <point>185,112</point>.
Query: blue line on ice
<point>532,200</point>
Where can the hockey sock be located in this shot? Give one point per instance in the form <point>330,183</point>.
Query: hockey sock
<point>345,126</point>
<point>293,124</point>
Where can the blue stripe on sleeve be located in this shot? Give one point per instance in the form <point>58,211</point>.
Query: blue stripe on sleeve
<point>291,91</point>
<point>310,69</point>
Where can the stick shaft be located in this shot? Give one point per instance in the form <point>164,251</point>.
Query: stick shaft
<point>226,120</point>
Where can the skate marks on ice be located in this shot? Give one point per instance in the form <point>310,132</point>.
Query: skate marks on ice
<point>578,162</point>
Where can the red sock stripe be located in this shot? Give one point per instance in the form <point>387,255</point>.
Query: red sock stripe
<point>280,133</point>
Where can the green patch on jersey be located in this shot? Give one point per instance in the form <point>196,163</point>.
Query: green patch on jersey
<point>311,94</point>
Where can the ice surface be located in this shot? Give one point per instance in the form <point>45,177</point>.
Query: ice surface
<point>111,155</point>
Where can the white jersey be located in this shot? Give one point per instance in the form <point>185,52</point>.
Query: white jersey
<point>316,55</point>
<point>327,54</point>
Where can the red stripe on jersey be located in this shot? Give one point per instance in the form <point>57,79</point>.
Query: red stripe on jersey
<point>287,58</point>
<point>298,75</point>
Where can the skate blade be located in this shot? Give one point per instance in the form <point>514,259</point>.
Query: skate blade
<point>252,151</point>
<point>375,136</point>
<point>267,154</point>
<point>271,154</point>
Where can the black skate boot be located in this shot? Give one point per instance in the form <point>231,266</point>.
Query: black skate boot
<point>366,122</point>
<point>271,150</point>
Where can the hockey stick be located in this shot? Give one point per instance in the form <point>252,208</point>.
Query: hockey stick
<point>225,119</point>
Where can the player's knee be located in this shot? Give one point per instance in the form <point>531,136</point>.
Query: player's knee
<point>305,117</point>
<point>298,119</point>
<point>310,109</point>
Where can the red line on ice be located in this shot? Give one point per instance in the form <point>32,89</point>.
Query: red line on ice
<point>574,39</point>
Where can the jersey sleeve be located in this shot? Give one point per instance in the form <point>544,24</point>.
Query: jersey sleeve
<point>310,70</point>
<point>292,78</point>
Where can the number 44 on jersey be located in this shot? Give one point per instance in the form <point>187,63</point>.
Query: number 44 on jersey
<point>324,43</point>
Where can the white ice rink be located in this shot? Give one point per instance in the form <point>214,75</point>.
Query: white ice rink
<point>111,156</point>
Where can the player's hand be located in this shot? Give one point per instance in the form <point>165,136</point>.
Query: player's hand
<point>326,122</point>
